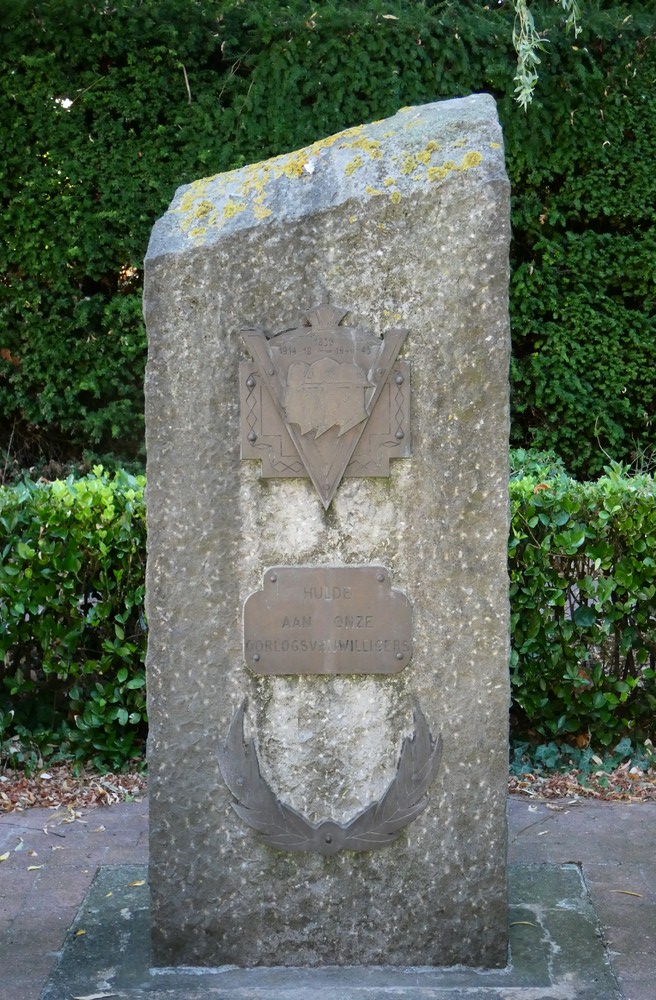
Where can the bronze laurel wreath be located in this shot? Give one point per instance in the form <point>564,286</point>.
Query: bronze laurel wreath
<point>284,828</point>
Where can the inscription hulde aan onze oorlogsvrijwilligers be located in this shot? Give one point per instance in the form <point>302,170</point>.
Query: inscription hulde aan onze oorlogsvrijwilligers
<point>327,620</point>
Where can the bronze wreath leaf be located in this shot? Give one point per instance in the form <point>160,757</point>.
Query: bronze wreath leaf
<point>282,827</point>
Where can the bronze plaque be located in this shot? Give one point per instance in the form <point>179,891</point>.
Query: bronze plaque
<point>323,381</point>
<point>327,620</point>
<point>264,434</point>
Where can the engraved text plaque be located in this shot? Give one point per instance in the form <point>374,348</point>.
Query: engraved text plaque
<point>327,620</point>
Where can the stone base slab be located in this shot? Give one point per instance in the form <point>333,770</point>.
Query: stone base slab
<point>556,953</point>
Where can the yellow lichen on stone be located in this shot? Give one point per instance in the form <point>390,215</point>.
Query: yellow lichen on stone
<point>369,146</point>
<point>354,165</point>
<point>232,208</point>
<point>193,195</point>
<point>471,159</point>
<point>354,130</point>
<point>293,165</point>
<point>409,164</point>
<point>260,212</point>
<point>256,178</point>
<point>207,203</point>
<point>203,208</point>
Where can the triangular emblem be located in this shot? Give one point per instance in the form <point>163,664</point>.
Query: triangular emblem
<point>324,380</point>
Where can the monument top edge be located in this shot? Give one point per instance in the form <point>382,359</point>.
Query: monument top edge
<point>418,148</point>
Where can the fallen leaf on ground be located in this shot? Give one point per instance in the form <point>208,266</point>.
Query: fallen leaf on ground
<point>95,996</point>
<point>63,789</point>
<point>619,785</point>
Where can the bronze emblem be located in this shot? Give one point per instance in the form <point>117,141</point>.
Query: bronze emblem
<point>284,828</point>
<point>324,381</point>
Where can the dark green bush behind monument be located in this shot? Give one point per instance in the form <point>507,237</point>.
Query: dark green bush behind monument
<point>106,109</point>
<point>73,634</point>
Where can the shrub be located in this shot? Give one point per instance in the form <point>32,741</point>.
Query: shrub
<point>72,629</point>
<point>73,635</point>
<point>583,600</point>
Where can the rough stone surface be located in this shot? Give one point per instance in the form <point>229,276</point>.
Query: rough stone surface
<point>556,953</point>
<point>405,222</point>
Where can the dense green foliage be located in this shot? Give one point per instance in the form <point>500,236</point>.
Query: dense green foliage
<point>72,630</point>
<point>106,108</point>
<point>583,600</point>
<point>73,635</point>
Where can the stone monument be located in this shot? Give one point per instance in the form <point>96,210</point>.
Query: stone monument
<point>327,431</point>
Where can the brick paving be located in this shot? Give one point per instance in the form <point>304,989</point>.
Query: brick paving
<point>613,842</point>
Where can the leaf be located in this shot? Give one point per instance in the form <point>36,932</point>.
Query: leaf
<point>584,616</point>
<point>3,857</point>
<point>80,933</point>
<point>34,868</point>
<point>139,881</point>
<point>95,996</point>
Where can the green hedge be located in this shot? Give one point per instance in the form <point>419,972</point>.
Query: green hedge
<point>73,635</point>
<point>583,600</point>
<point>72,629</point>
<point>107,108</point>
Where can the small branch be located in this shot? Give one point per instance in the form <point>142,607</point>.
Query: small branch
<point>8,455</point>
<point>186,80</point>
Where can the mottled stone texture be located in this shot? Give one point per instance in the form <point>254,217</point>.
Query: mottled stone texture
<point>406,223</point>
